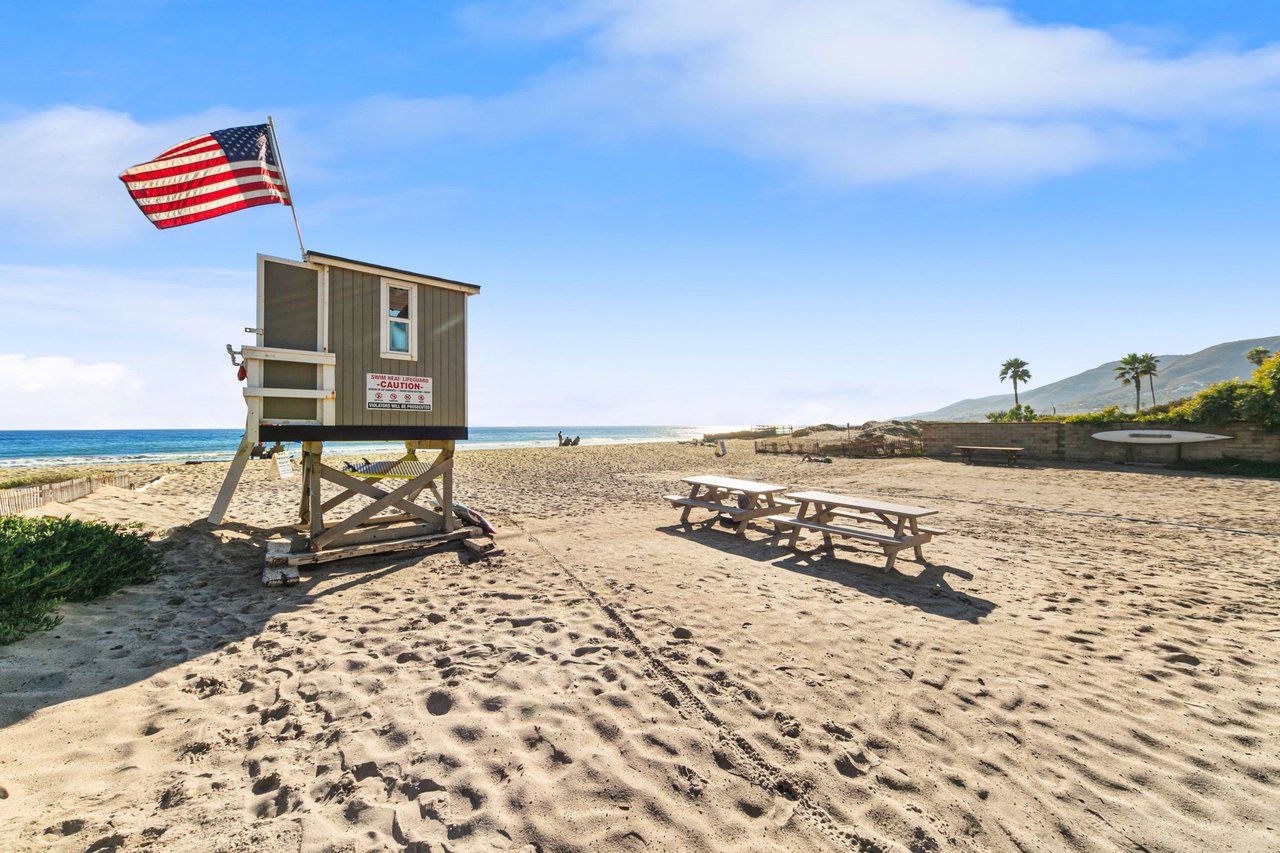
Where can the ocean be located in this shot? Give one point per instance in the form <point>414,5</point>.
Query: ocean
<point>48,448</point>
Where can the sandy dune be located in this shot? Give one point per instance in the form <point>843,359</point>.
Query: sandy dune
<point>1090,662</point>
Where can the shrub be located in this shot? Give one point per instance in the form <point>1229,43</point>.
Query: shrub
<point>1216,404</point>
<point>46,561</point>
<point>1018,414</point>
<point>1109,415</point>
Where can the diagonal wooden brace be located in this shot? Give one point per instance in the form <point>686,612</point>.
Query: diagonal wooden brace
<point>384,500</point>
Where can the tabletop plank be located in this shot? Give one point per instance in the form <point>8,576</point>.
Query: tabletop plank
<point>748,486</point>
<point>867,504</point>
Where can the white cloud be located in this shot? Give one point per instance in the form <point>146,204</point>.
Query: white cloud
<point>94,348</point>
<point>46,392</point>
<point>876,90</point>
<point>62,163</point>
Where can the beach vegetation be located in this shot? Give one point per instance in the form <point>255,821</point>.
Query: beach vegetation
<point>1018,414</point>
<point>1015,370</point>
<point>1109,415</point>
<point>1256,400</point>
<point>41,479</point>
<point>47,561</point>
<point>1257,355</point>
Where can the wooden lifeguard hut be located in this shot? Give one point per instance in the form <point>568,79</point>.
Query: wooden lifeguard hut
<point>354,351</point>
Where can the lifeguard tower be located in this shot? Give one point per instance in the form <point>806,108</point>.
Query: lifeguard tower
<point>355,351</point>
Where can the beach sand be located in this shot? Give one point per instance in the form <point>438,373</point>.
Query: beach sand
<point>1089,663</point>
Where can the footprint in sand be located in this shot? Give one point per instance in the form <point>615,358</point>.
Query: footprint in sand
<point>439,703</point>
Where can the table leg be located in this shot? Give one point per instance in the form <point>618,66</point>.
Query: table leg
<point>693,494</point>
<point>752,502</point>
<point>915,531</point>
<point>795,531</point>
<point>825,515</point>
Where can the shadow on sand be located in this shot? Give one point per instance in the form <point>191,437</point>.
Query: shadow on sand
<point>856,568</point>
<point>209,598</point>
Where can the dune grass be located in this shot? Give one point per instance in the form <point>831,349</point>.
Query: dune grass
<point>42,479</point>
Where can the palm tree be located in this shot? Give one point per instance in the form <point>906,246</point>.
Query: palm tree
<point>1257,355</point>
<point>1150,370</point>
<point>1015,369</point>
<point>1129,372</point>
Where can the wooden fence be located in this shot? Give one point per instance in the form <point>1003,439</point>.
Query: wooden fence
<point>31,497</point>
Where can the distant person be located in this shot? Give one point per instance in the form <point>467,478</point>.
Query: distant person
<point>575,441</point>
<point>560,439</point>
<point>257,450</point>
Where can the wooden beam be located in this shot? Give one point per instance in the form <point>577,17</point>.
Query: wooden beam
<point>293,355</point>
<point>383,534</point>
<point>354,485</point>
<point>230,482</point>
<point>382,547</point>
<point>316,515</point>
<point>393,498</point>
<point>306,393</point>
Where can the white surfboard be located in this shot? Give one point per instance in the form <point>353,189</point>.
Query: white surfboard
<point>1156,436</point>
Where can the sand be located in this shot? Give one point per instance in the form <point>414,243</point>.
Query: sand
<point>1089,662</point>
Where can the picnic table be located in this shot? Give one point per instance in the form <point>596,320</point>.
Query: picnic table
<point>741,501</point>
<point>967,451</point>
<point>893,527</point>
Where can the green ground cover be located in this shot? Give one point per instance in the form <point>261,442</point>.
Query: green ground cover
<point>46,561</point>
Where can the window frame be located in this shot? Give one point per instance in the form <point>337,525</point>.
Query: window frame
<point>386,319</point>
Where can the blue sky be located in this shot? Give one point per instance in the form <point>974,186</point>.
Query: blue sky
<point>711,213</point>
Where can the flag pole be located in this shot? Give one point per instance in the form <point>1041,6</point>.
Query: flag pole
<point>275,142</point>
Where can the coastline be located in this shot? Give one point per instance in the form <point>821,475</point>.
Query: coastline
<point>224,444</point>
<point>1059,670</point>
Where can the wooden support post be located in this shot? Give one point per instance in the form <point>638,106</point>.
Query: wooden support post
<point>230,482</point>
<point>304,508</point>
<point>316,510</point>
<point>446,502</point>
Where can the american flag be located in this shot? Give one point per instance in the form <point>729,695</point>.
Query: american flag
<point>207,176</point>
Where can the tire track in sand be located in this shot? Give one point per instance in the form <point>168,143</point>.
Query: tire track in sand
<point>735,754</point>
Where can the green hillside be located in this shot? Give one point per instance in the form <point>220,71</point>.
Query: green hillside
<point>1180,376</point>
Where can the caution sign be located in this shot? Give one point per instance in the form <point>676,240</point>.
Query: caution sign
<point>399,393</point>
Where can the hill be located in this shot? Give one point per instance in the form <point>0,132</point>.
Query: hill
<point>1180,376</point>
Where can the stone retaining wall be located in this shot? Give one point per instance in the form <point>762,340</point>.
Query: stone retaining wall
<point>1059,442</point>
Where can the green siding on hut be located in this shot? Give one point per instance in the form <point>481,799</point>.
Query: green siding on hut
<point>355,337</point>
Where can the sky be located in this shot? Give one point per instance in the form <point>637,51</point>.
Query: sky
<point>723,212</point>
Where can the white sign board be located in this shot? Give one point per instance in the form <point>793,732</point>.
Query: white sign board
<point>398,393</point>
<point>284,465</point>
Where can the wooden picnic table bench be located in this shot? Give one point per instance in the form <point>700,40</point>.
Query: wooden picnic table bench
<point>741,501</point>
<point>902,522</point>
<point>967,451</point>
